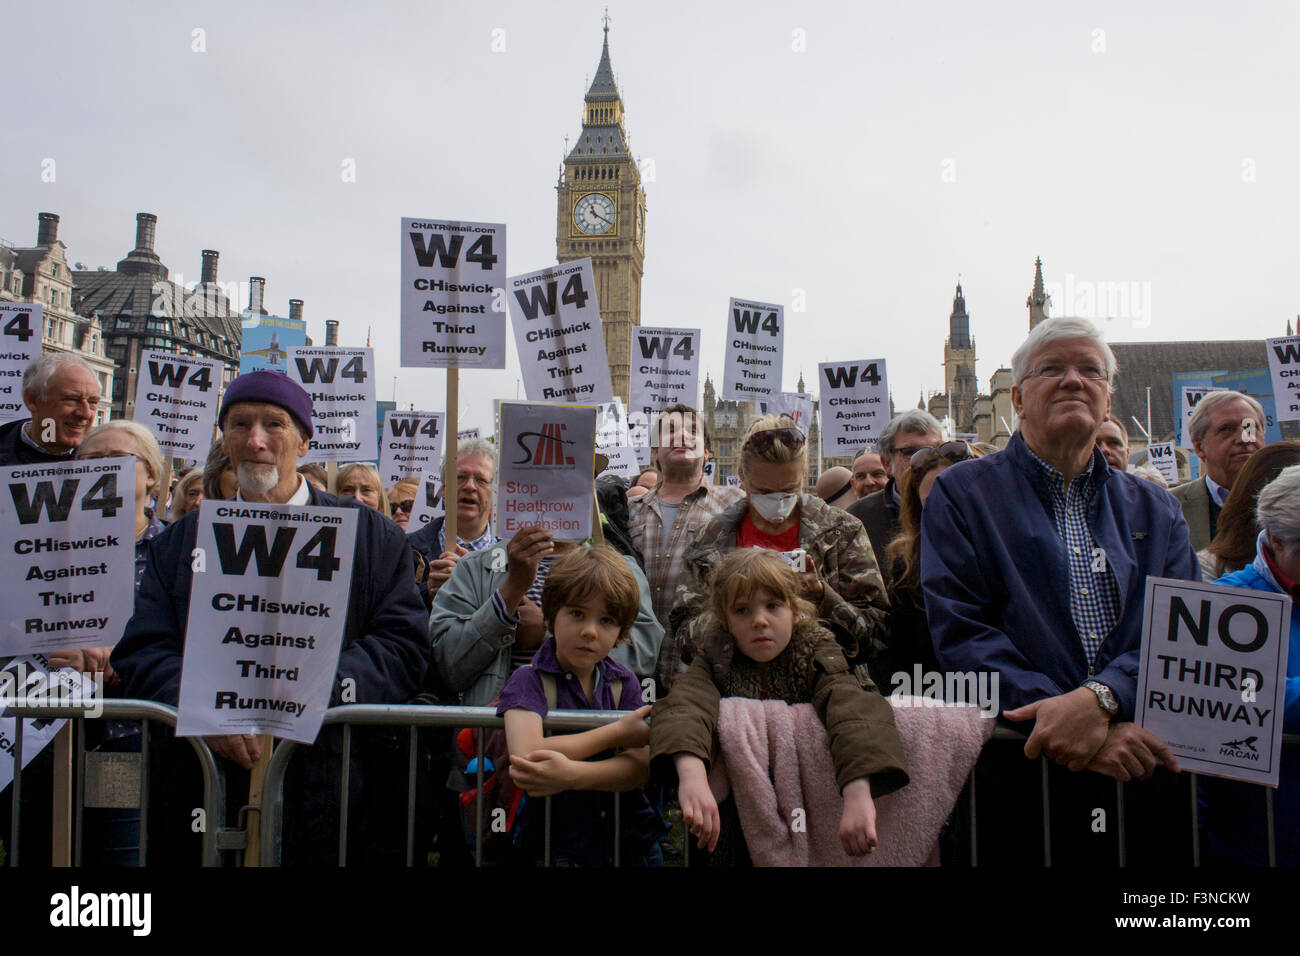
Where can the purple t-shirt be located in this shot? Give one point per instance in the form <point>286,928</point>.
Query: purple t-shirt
<point>582,821</point>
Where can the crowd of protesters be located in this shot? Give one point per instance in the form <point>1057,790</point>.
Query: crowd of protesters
<point>929,555</point>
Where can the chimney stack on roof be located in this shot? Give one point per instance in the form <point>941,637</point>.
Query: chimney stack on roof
<point>295,308</point>
<point>256,290</point>
<point>331,331</point>
<point>145,225</point>
<point>47,228</point>
<point>210,257</point>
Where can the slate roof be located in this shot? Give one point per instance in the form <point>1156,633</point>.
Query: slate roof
<point>133,298</point>
<point>1154,363</point>
<point>603,87</point>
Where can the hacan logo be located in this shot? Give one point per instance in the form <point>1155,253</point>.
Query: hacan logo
<point>549,448</point>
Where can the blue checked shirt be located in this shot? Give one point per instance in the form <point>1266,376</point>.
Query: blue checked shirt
<point>1094,594</point>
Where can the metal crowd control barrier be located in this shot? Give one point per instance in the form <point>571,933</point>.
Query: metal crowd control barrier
<point>145,711</point>
<point>414,717</point>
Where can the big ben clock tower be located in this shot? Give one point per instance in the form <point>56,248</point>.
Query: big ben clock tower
<point>601,213</point>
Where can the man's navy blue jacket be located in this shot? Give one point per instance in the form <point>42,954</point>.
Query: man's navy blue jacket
<point>997,582</point>
<point>385,639</point>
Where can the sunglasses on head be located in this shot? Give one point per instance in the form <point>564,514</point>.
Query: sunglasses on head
<point>764,441</point>
<point>953,451</point>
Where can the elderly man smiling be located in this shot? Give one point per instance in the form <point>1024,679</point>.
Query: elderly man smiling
<point>1034,563</point>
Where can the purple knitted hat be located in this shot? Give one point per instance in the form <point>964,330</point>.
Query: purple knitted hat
<point>273,388</point>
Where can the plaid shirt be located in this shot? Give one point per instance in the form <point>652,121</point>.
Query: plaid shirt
<point>663,549</point>
<point>1094,592</point>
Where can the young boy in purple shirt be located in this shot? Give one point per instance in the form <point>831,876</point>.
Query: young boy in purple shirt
<point>589,603</point>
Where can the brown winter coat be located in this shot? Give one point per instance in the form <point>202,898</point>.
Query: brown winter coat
<point>811,669</point>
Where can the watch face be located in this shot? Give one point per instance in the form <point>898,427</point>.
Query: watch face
<point>594,214</point>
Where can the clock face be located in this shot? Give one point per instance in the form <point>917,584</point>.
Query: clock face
<point>594,214</point>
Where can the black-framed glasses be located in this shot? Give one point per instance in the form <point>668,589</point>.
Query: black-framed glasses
<point>763,441</point>
<point>952,450</point>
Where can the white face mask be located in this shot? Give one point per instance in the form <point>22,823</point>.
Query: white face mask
<point>774,507</point>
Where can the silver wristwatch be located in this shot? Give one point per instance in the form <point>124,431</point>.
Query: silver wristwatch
<point>1105,696</point>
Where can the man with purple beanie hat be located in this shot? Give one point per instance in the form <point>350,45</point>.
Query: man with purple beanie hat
<point>265,422</point>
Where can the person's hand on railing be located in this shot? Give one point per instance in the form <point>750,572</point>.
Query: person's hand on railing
<point>86,660</point>
<point>1132,753</point>
<point>633,730</point>
<point>1068,728</point>
<point>699,808</point>
<point>858,821</point>
<point>243,749</point>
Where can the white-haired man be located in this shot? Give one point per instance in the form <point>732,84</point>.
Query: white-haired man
<point>1226,428</point>
<point>1034,563</point>
<point>62,393</point>
<point>476,466</point>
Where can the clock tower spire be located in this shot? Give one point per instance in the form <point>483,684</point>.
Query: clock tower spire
<point>600,212</point>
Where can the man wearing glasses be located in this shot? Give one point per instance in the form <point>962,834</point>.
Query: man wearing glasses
<point>1034,564</point>
<point>476,465</point>
<point>62,394</point>
<point>903,437</point>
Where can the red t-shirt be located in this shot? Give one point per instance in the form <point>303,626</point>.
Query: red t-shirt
<point>749,536</point>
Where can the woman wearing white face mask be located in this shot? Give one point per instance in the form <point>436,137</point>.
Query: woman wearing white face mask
<point>839,575</point>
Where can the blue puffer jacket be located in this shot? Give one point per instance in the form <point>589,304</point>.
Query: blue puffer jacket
<point>385,644</point>
<point>1234,812</point>
<point>995,574</point>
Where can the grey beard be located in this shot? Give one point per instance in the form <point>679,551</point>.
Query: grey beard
<point>255,479</point>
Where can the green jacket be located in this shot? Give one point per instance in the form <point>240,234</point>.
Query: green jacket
<point>859,722</point>
<point>854,607</point>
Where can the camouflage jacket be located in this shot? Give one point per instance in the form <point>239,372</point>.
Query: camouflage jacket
<point>853,608</point>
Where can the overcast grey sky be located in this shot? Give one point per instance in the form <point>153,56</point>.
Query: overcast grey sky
<point>868,160</point>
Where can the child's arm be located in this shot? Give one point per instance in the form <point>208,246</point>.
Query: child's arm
<point>858,822</point>
<point>699,808</point>
<point>524,735</point>
<point>546,772</point>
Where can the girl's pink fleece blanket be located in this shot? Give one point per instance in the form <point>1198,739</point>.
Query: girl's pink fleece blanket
<point>778,758</point>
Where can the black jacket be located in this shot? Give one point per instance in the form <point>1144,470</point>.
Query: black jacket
<point>878,513</point>
<point>15,451</point>
<point>385,640</point>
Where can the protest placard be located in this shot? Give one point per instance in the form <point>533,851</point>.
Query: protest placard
<point>176,399</point>
<point>1212,676</point>
<point>267,340</point>
<point>622,462</point>
<point>428,503</point>
<point>709,468</point>
<point>797,406</point>
<point>638,436</point>
<point>733,481</point>
<point>341,383</point>
<point>465,434</point>
<point>854,404</point>
<point>72,527</point>
<point>28,679</point>
<point>558,335</point>
<point>1187,404</point>
<point>611,424</point>
<point>266,618</point>
<point>546,472</point>
<point>411,445</point>
<point>666,368</point>
<point>1161,456</point>
<point>1284,368</point>
<point>20,344</point>
<point>453,295</point>
<point>755,342</point>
